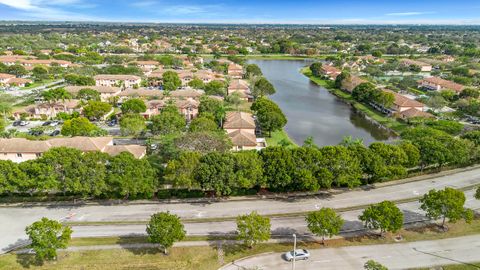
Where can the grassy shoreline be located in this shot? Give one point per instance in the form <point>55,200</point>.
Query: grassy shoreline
<point>389,123</point>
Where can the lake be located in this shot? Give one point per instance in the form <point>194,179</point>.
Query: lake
<point>313,111</point>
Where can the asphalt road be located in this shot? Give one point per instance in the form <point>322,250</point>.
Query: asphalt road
<point>462,250</point>
<point>15,219</point>
<point>285,226</point>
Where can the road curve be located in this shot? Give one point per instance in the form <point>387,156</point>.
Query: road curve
<point>461,250</point>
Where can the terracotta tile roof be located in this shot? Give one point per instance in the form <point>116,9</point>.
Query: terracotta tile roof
<point>116,77</point>
<point>238,85</point>
<point>350,84</point>
<point>18,81</point>
<point>85,144</point>
<point>234,67</point>
<point>243,138</point>
<point>239,120</point>
<point>403,101</point>
<point>6,76</point>
<point>412,112</point>
<point>141,92</point>
<point>71,104</point>
<point>186,103</point>
<point>151,62</point>
<point>411,62</point>
<point>444,83</point>
<point>187,93</point>
<point>137,151</point>
<point>101,89</point>
<point>45,62</point>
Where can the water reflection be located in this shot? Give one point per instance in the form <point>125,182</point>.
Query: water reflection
<point>311,110</point>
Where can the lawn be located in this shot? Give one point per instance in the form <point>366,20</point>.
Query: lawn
<point>206,258</point>
<point>279,136</point>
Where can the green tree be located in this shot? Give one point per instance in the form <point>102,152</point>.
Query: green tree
<point>316,69</point>
<point>216,172</point>
<point>169,121</point>
<point>215,88</point>
<point>40,73</point>
<point>270,117</point>
<point>262,87</point>
<point>373,265</point>
<point>56,94</point>
<point>324,222</point>
<point>47,236</point>
<point>278,166</point>
<point>384,216</point>
<point>204,142</point>
<point>196,83</point>
<point>133,105</point>
<point>253,228</point>
<point>171,81</point>
<point>132,125</point>
<point>180,171</point>
<point>203,124</point>
<point>88,94</point>
<point>165,229</point>
<point>248,169</point>
<point>96,109</point>
<point>477,193</point>
<point>128,176</point>
<point>80,126</point>
<point>343,165</point>
<point>11,177</point>
<point>446,204</point>
<point>252,70</point>
<point>17,70</point>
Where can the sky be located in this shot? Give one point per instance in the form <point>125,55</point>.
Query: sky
<point>247,11</point>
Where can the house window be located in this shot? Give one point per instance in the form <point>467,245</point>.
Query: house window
<point>19,155</point>
<point>38,154</point>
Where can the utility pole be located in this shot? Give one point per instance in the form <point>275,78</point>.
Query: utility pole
<point>294,250</point>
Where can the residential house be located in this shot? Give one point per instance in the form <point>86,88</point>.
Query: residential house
<point>413,113</point>
<point>330,72</point>
<point>11,80</point>
<point>402,103</point>
<point>187,107</point>
<point>106,92</point>
<point>241,87</point>
<point>351,82</point>
<point>235,71</point>
<point>140,93</point>
<point>126,81</point>
<point>439,84</point>
<point>240,127</point>
<point>52,109</point>
<point>424,67</point>
<point>20,149</point>
<point>147,65</point>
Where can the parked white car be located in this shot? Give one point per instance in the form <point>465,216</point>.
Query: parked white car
<point>300,254</point>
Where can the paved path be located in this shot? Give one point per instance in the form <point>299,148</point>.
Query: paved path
<point>464,250</point>
<point>15,219</point>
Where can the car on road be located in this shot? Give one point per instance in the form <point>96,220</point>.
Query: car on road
<point>54,123</point>
<point>16,123</point>
<point>46,123</point>
<point>300,254</point>
<point>35,132</point>
<point>23,123</point>
<point>55,133</point>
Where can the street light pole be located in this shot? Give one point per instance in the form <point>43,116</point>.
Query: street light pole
<point>294,250</point>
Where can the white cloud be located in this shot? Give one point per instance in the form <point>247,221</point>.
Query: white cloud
<point>412,13</point>
<point>49,9</point>
<point>191,9</point>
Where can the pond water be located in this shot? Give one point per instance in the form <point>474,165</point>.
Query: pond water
<point>312,111</point>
